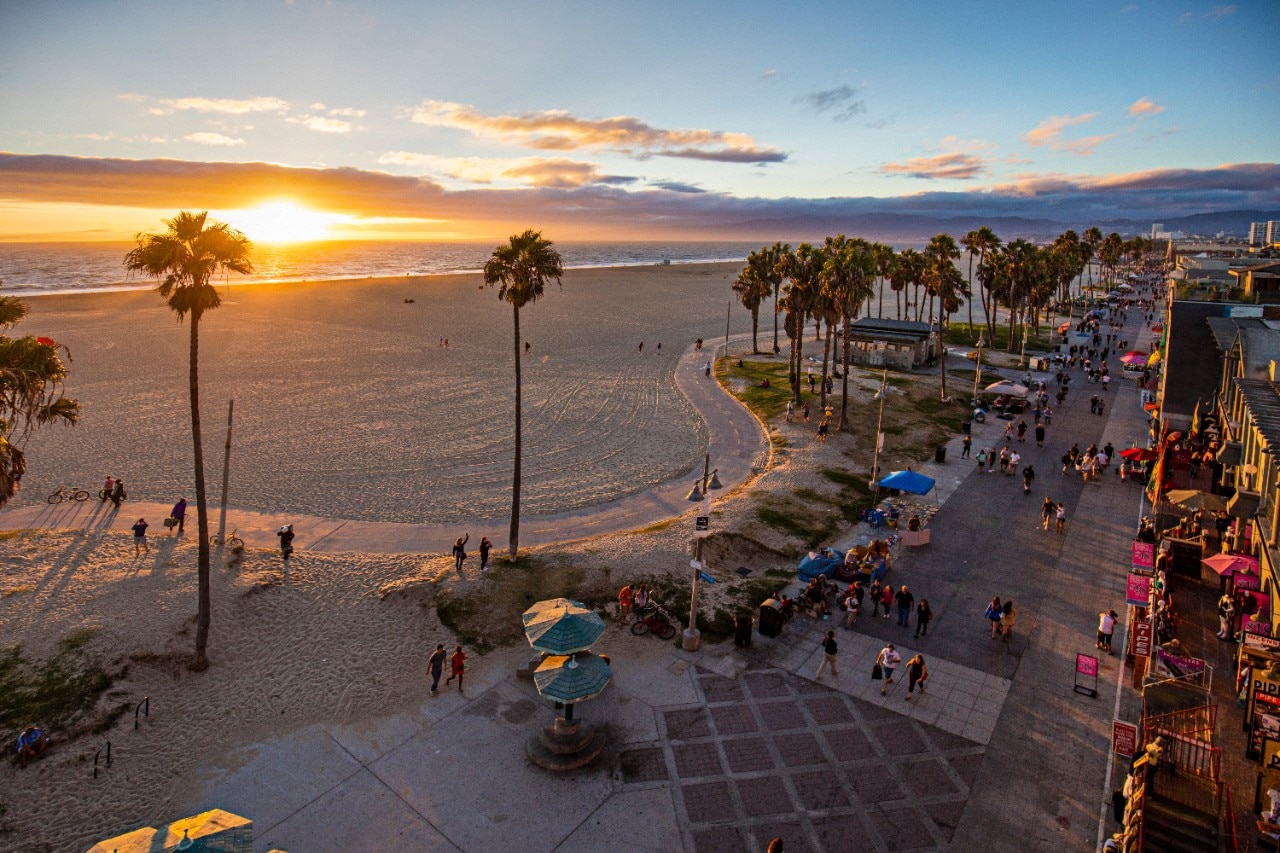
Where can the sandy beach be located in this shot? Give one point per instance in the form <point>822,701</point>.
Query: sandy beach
<point>347,406</point>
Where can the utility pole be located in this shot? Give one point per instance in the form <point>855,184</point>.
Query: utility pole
<point>692,636</point>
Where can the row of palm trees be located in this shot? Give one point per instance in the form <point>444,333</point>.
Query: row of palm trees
<point>833,282</point>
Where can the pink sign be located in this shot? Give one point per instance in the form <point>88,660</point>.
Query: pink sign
<point>1087,665</point>
<point>1142,638</point>
<point>1124,738</point>
<point>1144,555</point>
<point>1138,590</point>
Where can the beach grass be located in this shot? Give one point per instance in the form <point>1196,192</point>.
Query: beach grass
<point>60,693</point>
<point>765,403</point>
<point>964,335</point>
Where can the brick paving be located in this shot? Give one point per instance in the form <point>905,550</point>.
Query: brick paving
<point>773,754</point>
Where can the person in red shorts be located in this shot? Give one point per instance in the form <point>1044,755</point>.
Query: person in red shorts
<point>457,665</point>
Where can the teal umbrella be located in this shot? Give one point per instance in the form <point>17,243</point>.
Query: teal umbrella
<point>562,626</point>
<point>571,678</point>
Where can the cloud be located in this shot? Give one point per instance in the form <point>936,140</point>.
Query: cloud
<point>558,130</point>
<point>840,101</point>
<point>533,171</point>
<point>229,106</point>
<point>1050,130</point>
<point>1086,146</point>
<point>770,74</point>
<point>1027,202</point>
<point>1145,107</point>
<point>348,112</point>
<point>1221,11</point>
<point>322,124</point>
<point>206,138</point>
<point>677,187</point>
<point>956,166</point>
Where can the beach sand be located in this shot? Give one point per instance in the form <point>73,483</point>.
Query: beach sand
<point>347,406</point>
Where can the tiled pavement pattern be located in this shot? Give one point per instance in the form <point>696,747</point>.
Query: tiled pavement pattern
<point>772,754</point>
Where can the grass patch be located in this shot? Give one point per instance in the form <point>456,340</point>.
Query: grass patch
<point>766,403</point>
<point>964,335</point>
<point>9,534</point>
<point>798,521</point>
<point>486,615</point>
<point>658,526</point>
<point>60,693</point>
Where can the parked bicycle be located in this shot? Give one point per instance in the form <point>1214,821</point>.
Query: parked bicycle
<point>68,493</point>
<point>654,619</point>
<point>231,540</point>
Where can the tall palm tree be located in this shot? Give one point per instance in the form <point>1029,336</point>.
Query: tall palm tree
<point>521,269</point>
<point>847,276</point>
<point>801,268</point>
<point>184,259</point>
<point>31,393</point>
<point>753,286</point>
<point>770,261</point>
<point>908,266</point>
<point>1110,253</point>
<point>944,281</point>
<point>1090,242</point>
<point>883,256</point>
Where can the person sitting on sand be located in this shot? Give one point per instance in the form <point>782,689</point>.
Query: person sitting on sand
<point>31,743</point>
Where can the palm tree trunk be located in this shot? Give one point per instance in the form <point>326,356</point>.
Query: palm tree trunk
<point>969,299</point>
<point>201,662</point>
<point>879,313</point>
<point>755,324</point>
<point>826,355</point>
<point>514,540</point>
<point>844,371</point>
<point>775,319</point>
<point>942,362</point>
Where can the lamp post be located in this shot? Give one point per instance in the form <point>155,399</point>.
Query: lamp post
<point>977,370</point>
<point>692,638</point>
<point>875,459</point>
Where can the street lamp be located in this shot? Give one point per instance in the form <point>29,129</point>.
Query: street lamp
<point>875,459</point>
<point>692,639</point>
<point>977,370</point>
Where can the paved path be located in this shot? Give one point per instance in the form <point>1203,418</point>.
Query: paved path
<point>737,443</point>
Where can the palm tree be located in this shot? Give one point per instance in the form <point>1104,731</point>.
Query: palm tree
<point>883,256</point>
<point>753,286</point>
<point>1090,242</point>
<point>944,281</point>
<point>802,268</point>
<point>184,258</point>
<point>31,383</point>
<point>847,277</point>
<point>521,269</point>
<point>1110,253</point>
<point>770,260</point>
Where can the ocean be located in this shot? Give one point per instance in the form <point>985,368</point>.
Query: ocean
<point>40,268</point>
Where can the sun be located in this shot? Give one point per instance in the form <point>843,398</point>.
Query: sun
<point>283,222</point>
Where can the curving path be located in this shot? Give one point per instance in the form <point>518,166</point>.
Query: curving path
<point>737,443</point>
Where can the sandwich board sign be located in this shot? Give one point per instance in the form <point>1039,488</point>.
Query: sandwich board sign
<point>1086,675</point>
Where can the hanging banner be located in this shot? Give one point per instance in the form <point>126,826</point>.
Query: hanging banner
<point>1144,555</point>
<point>1138,590</point>
<point>1176,666</point>
<point>1142,634</point>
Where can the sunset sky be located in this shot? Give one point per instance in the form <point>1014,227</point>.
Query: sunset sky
<point>462,120</point>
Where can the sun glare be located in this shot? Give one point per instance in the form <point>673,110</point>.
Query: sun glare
<point>283,222</point>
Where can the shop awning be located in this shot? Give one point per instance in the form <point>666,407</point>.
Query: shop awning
<point>1243,504</point>
<point>1229,454</point>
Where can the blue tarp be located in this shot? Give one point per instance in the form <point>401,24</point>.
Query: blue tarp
<point>819,563</point>
<point>907,481</point>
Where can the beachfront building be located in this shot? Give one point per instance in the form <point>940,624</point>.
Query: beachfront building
<point>1259,283</point>
<point>898,344</point>
<point>1263,234</point>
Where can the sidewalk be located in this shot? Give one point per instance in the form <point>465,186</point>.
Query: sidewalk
<point>737,443</point>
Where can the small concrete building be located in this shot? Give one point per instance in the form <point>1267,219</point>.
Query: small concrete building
<point>900,344</point>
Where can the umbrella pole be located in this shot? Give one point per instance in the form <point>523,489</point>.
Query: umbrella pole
<point>568,712</point>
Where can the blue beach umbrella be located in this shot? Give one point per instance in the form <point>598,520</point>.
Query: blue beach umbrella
<point>907,481</point>
<point>562,626</point>
<point>571,678</point>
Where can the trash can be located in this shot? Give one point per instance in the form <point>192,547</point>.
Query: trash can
<point>770,618</point>
<point>940,455</point>
<point>966,426</point>
<point>742,630</point>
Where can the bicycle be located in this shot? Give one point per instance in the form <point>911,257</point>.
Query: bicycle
<point>655,619</point>
<point>231,541</point>
<point>68,493</point>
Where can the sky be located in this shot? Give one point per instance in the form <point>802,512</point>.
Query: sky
<point>606,120</point>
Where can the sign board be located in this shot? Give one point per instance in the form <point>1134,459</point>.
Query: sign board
<point>702,526</point>
<point>1144,555</point>
<point>1265,723</point>
<point>1086,675</point>
<point>1138,590</point>
<point>1142,633</point>
<point>1256,642</point>
<point>1177,666</point>
<point>1124,738</point>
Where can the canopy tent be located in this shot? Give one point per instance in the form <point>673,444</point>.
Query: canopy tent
<point>1004,386</point>
<point>1227,564</point>
<point>1062,330</point>
<point>1134,359</point>
<point>1193,500</point>
<point>907,481</point>
<point>1139,454</point>
<point>561,626</point>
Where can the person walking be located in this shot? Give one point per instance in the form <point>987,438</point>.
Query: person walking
<point>457,666</point>
<point>828,655</point>
<point>1028,475</point>
<point>886,598</point>
<point>982,460</point>
<point>875,599</point>
<point>286,542</point>
<point>924,615</point>
<point>965,446</point>
<point>460,551</point>
<point>179,513</point>
<point>904,601</point>
<point>1040,433</point>
<point>435,666</point>
<point>1007,621</point>
<point>107,488</point>
<point>1226,610</point>
<point>1106,627</point>
<point>1061,519</point>
<point>994,614</point>
<point>887,660</point>
<point>853,606</point>
<point>917,675</point>
<point>140,537</point>
<point>791,411</point>
<point>1047,510</point>
<point>117,493</point>
<point>485,545</point>
<point>624,605</point>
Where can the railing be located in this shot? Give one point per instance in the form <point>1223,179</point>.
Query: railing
<point>1192,755</point>
<point>98,755</point>
<point>1227,812</point>
<point>145,707</point>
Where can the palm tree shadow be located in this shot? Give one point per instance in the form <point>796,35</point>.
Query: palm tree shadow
<point>63,566</point>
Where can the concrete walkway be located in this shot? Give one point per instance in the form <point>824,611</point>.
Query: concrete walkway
<point>737,443</point>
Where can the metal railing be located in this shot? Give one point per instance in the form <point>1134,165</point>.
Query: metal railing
<point>145,707</point>
<point>98,755</point>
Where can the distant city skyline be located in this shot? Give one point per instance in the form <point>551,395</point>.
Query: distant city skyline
<point>297,120</point>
